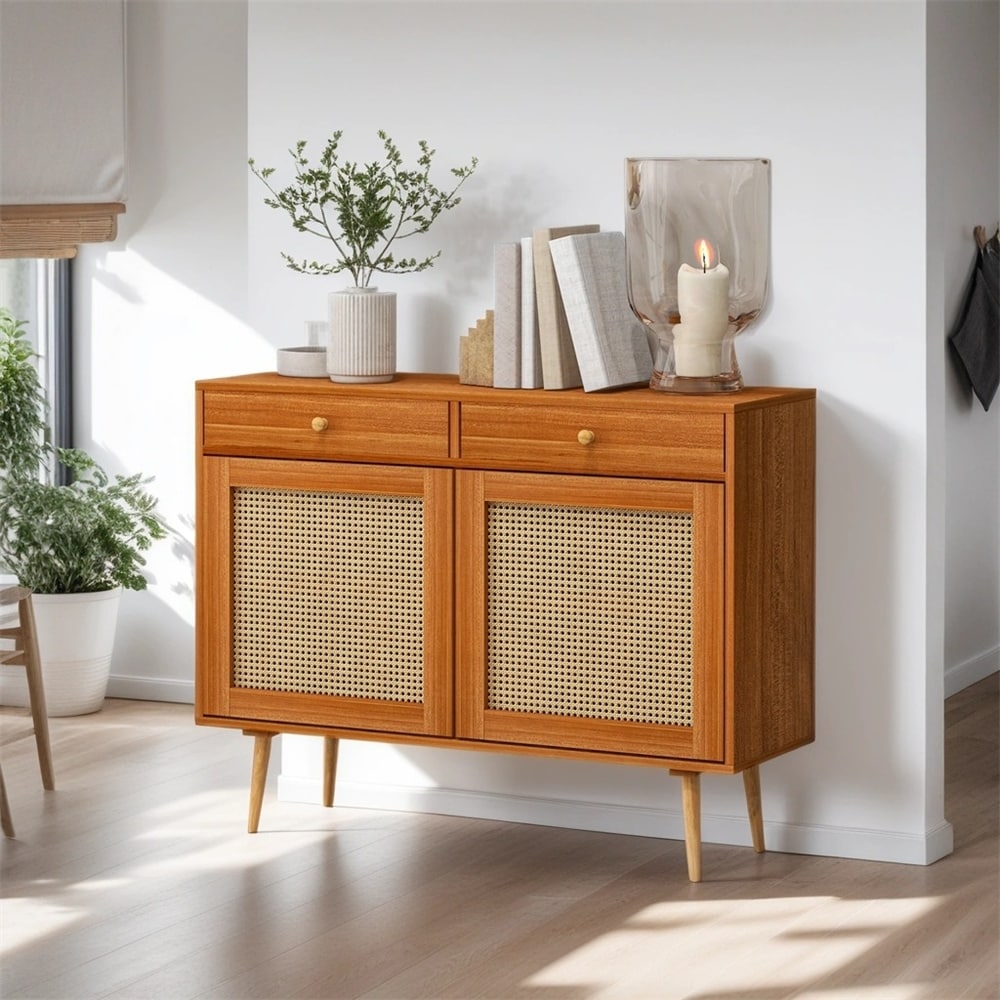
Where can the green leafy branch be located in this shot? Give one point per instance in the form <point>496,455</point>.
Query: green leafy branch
<point>362,209</point>
<point>23,431</point>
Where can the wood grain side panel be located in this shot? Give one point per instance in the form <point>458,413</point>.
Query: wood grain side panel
<point>771,535</point>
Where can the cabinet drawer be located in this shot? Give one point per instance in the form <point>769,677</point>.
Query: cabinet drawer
<point>593,439</point>
<point>321,426</point>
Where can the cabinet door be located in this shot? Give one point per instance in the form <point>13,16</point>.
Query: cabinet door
<point>325,595</point>
<point>590,613</point>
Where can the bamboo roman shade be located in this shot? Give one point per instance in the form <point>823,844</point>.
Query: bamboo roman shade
<point>62,125</point>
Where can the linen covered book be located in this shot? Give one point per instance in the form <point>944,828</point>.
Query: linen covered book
<point>611,345</point>
<point>559,366</point>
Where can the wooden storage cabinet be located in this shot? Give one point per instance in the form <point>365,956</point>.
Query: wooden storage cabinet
<point>622,576</point>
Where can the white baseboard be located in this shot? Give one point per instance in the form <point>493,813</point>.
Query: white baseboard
<point>151,689</point>
<point>961,675</point>
<point>14,688</point>
<point>868,845</point>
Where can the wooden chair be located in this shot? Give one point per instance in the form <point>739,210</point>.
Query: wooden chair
<point>25,654</point>
<point>6,823</point>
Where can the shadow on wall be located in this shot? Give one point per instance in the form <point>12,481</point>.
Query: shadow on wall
<point>154,646</point>
<point>154,651</point>
<point>495,208</point>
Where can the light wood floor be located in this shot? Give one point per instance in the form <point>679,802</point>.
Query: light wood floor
<point>135,879</point>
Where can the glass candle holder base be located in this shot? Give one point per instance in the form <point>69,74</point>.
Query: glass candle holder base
<point>665,377</point>
<point>695,384</point>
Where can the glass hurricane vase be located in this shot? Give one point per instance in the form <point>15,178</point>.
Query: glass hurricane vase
<point>697,243</point>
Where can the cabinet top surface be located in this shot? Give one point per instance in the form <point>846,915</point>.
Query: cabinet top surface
<point>434,386</point>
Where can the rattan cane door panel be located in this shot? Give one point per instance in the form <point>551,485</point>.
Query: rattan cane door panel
<point>593,613</point>
<point>337,584</point>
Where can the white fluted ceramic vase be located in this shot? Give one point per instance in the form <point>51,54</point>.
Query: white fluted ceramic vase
<point>362,345</point>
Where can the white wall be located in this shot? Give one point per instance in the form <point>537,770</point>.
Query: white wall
<point>963,86</point>
<point>551,103</point>
<point>166,304</point>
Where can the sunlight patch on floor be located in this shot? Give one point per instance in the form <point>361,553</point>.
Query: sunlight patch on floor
<point>29,918</point>
<point>207,820</point>
<point>234,853</point>
<point>792,928</point>
<point>99,884</point>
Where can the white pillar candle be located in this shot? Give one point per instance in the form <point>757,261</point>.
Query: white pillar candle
<point>703,303</point>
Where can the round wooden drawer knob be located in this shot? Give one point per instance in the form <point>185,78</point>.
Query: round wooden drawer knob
<point>320,423</point>
<point>586,437</point>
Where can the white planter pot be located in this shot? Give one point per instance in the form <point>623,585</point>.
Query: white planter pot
<point>76,636</point>
<point>362,345</point>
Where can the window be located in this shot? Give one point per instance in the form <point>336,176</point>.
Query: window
<point>38,291</point>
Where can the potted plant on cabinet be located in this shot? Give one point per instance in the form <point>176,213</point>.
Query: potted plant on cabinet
<point>75,546</point>
<point>363,210</point>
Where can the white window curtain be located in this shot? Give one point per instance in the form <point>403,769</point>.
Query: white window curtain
<point>62,124</point>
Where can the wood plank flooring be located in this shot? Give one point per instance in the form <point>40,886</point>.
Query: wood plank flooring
<point>135,879</point>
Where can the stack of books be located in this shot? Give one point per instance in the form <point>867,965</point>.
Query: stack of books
<point>561,315</point>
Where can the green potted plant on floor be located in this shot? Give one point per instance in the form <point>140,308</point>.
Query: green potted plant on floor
<point>76,545</point>
<point>363,211</point>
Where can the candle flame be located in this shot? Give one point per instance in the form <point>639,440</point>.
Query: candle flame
<point>704,253</point>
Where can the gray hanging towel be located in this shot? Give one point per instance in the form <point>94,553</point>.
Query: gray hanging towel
<point>976,336</point>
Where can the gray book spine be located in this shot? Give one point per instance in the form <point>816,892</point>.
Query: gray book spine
<point>507,315</point>
<point>531,348</point>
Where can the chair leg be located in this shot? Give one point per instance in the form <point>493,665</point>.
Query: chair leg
<point>330,746</point>
<point>36,692</point>
<point>751,786</point>
<point>6,821</point>
<point>258,777</point>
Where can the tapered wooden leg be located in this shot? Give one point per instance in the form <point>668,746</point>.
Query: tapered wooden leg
<point>691,797</point>
<point>330,745</point>
<point>258,777</point>
<point>751,785</point>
